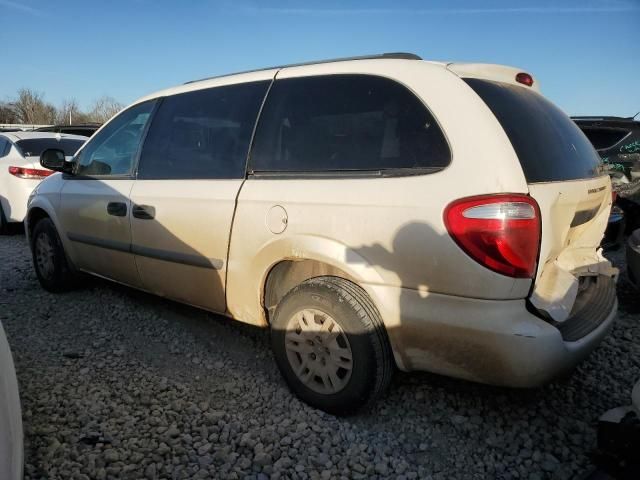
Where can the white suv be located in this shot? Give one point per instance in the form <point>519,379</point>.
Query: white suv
<point>375,213</point>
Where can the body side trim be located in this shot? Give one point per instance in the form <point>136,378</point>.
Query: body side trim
<point>164,255</point>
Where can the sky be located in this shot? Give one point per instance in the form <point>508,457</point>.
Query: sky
<point>584,53</point>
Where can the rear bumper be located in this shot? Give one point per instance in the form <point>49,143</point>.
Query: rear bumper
<point>498,342</point>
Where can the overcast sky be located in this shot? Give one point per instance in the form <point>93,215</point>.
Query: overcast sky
<point>585,53</point>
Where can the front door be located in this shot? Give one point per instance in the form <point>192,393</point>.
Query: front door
<point>95,210</point>
<point>191,169</point>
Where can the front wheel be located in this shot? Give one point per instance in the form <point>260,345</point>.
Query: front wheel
<point>331,346</point>
<point>49,259</point>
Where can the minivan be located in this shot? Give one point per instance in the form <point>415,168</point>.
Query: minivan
<point>375,213</point>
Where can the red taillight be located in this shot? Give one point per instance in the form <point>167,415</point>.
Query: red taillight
<point>524,78</point>
<point>614,196</point>
<point>30,173</point>
<point>501,232</point>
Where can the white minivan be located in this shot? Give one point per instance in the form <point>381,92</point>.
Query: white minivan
<point>375,213</point>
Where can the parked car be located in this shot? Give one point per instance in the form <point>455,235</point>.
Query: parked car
<point>374,213</point>
<point>20,169</point>
<point>11,448</point>
<point>616,226</point>
<point>617,140</point>
<point>84,129</point>
<point>633,258</point>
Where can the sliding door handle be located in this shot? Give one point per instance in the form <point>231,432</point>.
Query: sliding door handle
<point>117,209</point>
<point>144,212</point>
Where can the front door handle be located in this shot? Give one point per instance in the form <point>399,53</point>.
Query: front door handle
<point>144,212</point>
<point>117,209</point>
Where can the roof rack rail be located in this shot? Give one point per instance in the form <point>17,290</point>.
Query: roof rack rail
<point>393,55</point>
<point>603,117</point>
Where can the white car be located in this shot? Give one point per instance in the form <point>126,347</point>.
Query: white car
<point>374,213</point>
<point>11,450</point>
<point>20,169</point>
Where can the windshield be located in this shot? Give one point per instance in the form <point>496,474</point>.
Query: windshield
<point>33,147</point>
<point>549,145</point>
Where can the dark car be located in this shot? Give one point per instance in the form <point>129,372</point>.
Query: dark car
<point>86,129</point>
<point>619,442</point>
<point>633,258</point>
<point>617,141</point>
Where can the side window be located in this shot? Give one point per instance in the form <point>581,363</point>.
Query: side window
<point>4,150</point>
<point>346,123</point>
<point>204,134</point>
<point>113,150</point>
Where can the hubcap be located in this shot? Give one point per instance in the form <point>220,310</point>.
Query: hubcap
<point>45,255</point>
<point>318,351</point>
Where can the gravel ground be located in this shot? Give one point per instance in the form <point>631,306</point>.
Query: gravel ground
<point>119,384</point>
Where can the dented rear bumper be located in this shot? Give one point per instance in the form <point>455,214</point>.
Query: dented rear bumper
<point>498,342</point>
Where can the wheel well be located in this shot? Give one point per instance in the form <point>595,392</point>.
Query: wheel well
<point>287,274</point>
<point>35,215</point>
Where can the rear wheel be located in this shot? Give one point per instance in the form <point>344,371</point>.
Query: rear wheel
<point>331,346</point>
<point>49,259</point>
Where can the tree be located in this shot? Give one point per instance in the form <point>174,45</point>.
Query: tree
<point>7,114</point>
<point>69,113</point>
<point>30,108</point>
<point>104,108</point>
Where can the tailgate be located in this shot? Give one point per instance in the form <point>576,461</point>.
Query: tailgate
<point>574,218</point>
<point>566,177</point>
<point>33,162</point>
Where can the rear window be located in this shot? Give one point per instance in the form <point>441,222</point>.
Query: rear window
<point>346,123</point>
<point>550,146</point>
<point>33,147</point>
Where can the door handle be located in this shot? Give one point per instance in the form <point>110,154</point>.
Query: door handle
<point>117,209</point>
<point>144,212</point>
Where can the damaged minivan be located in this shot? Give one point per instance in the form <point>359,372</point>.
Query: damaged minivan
<point>375,213</point>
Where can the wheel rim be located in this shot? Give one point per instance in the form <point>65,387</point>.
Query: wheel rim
<point>318,351</point>
<point>45,255</point>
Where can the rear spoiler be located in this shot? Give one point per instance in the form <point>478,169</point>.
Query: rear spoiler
<point>498,73</point>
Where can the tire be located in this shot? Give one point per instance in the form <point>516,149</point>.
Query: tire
<point>327,379</point>
<point>49,258</point>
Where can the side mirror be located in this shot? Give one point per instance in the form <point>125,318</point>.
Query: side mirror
<point>54,159</point>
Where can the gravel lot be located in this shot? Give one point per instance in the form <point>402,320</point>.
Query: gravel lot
<point>119,384</point>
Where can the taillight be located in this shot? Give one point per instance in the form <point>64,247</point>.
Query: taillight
<point>524,78</point>
<point>30,173</point>
<point>501,232</point>
<point>614,196</point>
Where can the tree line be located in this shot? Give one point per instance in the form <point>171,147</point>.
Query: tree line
<point>30,107</point>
